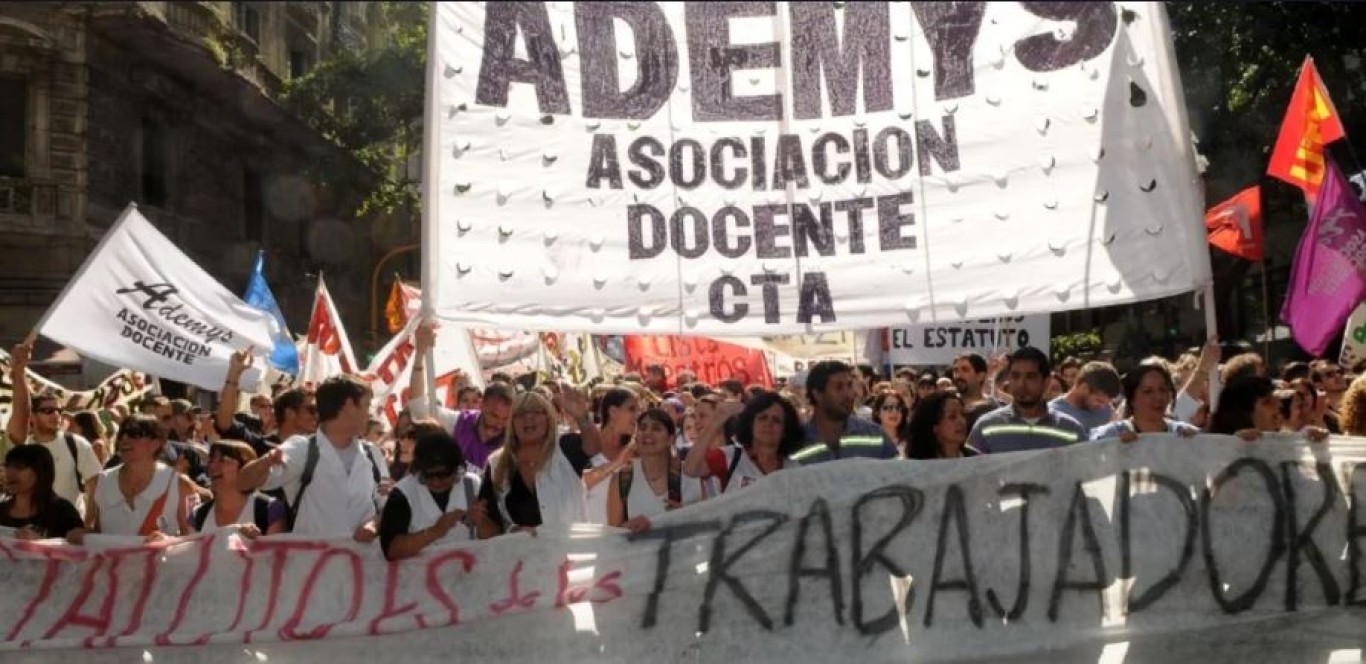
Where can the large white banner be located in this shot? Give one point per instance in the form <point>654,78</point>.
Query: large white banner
<point>1165,548</point>
<point>142,304</point>
<point>939,344</point>
<point>753,169</point>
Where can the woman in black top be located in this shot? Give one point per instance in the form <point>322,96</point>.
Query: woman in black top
<point>437,499</point>
<point>30,504</point>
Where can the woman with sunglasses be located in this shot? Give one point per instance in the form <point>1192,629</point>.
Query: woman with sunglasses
<point>142,497</point>
<point>894,415</point>
<point>653,483</point>
<point>435,502</point>
<point>30,504</point>
<point>252,512</point>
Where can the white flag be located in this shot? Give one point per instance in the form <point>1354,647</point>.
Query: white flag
<point>327,350</point>
<point>752,169</point>
<point>140,303</point>
<point>391,370</point>
<point>1354,338</point>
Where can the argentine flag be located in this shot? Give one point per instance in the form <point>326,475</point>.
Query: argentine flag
<point>285,357</point>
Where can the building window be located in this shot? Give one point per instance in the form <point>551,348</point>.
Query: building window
<point>298,63</point>
<point>13,126</point>
<point>253,207</point>
<point>153,163</point>
<point>248,20</point>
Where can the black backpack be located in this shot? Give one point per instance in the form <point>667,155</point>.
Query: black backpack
<point>627,474</point>
<point>75,460</point>
<point>310,465</point>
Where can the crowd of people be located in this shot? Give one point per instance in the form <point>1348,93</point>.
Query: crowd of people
<point>518,456</point>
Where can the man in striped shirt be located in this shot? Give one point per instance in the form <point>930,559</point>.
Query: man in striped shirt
<point>834,432</point>
<point>1026,424</point>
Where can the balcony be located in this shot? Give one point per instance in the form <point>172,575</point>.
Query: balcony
<point>29,198</point>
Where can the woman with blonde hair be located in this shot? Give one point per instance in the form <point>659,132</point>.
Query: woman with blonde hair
<point>1352,417</point>
<point>535,479</point>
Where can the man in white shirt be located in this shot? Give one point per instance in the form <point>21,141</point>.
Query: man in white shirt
<point>337,496</point>
<point>38,421</point>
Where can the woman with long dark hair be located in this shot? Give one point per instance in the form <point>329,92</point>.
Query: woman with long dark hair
<point>1148,394</point>
<point>1248,408</point>
<point>767,433</point>
<point>30,505</point>
<point>88,425</point>
<point>939,428</point>
<point>616,412</point>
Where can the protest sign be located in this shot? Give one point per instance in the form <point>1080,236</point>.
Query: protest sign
<point>789,168</point>
<point>710,360</point>
<point>939,344</point>
<point>139,302</point>
<point>120,388</point>
<point>1152,544</point>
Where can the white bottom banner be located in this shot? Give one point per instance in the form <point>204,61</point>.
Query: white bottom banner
<point>1161,550</point>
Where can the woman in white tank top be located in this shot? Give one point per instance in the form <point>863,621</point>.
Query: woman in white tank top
<point>231,507</point>
<point>654,482</point>
<point>142,497</point>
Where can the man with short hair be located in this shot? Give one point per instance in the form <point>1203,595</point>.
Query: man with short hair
<point>1088,402</point>
<point>293,413</point>
<point>478,432</point>
<point>834,432</point>
<point>179,422</point>
<point>37,420</point>
<point>1026,424</point>
<point>331,479</point>
<point>469,398</point>
<point>969,376</point>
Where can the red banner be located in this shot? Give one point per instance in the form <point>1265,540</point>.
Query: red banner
<point>710,360</point>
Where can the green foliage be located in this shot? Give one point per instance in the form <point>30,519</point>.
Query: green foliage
<point>1239,63</point>
<point>1077,344</point>
<point>370,103</point>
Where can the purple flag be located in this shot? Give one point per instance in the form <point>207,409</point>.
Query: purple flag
<point>1328,278</point>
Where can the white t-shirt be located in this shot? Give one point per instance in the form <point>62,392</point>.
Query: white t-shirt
<point>89,464</point>
<point>643,501</point>
<point>338,500</point>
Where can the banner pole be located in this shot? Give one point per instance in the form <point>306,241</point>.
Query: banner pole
<point>80,272</point>
<point>1266,316</point>
<point>431,181</point>
<point>1211,330</point>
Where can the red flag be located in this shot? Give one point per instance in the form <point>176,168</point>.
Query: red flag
<point>1236,224</point>
<point>710,360</point>
<point>1311,122</point>
<point>394,315</point>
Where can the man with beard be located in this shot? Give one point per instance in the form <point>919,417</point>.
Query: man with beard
<point>969,375</point>
<point>1026,424</point>
<point>833,432</point>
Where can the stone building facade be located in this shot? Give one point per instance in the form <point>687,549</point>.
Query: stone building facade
<point>173,105</point>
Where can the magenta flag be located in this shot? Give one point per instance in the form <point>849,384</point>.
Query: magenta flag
<point>1328,278</point>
